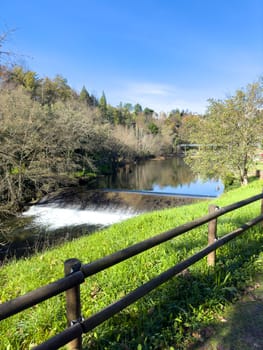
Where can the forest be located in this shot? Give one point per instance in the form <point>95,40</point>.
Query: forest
<point>53,136</point>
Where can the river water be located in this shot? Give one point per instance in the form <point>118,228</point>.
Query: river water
<point>135,188</point>
<point>167,176</point>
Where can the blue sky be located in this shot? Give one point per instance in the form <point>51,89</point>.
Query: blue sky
<point>163,54</point>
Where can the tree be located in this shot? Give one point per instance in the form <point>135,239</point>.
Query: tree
<point>122,114</point>
<point>17,76</point>
<point>85,97</point>
<point>47,92</point>
<point>137,108</point>
<point>189,127</point>
<point>41,148</point>
<point>63,90</point>
<point>94,101</point>
<point>153,128</point>
<point>230,134</point>
<point>148,112</point>
<point>22,122</point>
<point>128,107</point>
<point>103,105</point>
<point>50,91</point>
<point>4,54</point>
<point>173,123</point>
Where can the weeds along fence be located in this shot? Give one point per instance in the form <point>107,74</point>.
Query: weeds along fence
<point>75,274</point>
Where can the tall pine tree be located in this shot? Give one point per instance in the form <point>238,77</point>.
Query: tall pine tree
<point>85,97</point>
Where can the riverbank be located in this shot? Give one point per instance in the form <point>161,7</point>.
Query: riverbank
<point>173,316</point>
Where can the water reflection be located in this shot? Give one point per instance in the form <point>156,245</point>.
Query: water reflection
<point>171,176</point>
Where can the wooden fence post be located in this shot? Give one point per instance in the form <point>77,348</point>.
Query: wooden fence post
<point>212,228</point>
<point>73,305</point>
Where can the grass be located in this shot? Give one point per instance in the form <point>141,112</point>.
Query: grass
<point>241,326</point>
<point>171,317</point>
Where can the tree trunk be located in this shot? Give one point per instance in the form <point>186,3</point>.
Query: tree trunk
<point>244,178</point>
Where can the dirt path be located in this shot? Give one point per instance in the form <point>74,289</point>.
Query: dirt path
<point>241,328</point>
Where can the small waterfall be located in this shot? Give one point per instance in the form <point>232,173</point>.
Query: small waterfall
<point>54,217</point>
<point>98,208</point>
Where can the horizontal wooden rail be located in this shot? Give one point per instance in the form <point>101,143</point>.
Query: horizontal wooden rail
<point>121,255</point>
<point>43,293</point>
<point>36,296</point>
<point>111,310</point>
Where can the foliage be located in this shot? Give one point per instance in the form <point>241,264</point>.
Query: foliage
<point>103,106</point>
<point>39,145</point>
<point>105,135</point>
<point>49,133</point>
<point>153,128</point>
<point>21,122</point>
<point>46,91</point>
<point>47,138</point>
<point>173,315</point>
<point>137,108</point>
<point>230,134</point>
<point>85,97</point>
<point>74,133</point>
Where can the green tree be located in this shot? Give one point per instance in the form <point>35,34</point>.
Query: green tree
<point>63,90</point>
<point>188,128</point>
<point>28,79</point>
<point>51,91</point>
<point>137,108</point>
<point>148,112</point>
<point>123,111</point>
<point>153,128</point>
<point>230,134</point>
<point>128,107</point>
<point>103,104</point>
<point>31,82</point>
<point>94,101</point>
<point>85,97</point>
<point>173,123</point>
<point>47,92</point>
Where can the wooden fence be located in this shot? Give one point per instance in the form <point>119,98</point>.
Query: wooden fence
<point>75,274</point>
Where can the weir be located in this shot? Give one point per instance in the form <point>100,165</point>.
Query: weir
<point>100,207</point>
<point>54,217</point>
<point>74,212</point>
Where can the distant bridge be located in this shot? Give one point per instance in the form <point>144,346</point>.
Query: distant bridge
<point>186,146</point>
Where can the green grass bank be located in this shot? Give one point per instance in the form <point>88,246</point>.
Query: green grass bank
<point>176,315</point>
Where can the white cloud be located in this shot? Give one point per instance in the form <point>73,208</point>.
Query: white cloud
<point>150,89</point>
<point>158,96</point>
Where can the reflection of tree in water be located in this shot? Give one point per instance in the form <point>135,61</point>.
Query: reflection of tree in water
<point>170,172</point>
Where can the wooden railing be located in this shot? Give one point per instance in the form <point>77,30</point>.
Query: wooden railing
<point>75,274</point>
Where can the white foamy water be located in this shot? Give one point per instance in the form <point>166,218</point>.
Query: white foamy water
<point>55,217</point>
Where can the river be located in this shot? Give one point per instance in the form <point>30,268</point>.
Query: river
<point>166,176</point>
<point>135,188</point>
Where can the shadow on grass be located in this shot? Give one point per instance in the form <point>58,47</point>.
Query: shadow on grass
<point>182,313</point>
<point>242,326</point>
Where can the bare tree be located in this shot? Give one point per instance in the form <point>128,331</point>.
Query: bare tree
<point>5,54</point>
<point>43,147</point>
